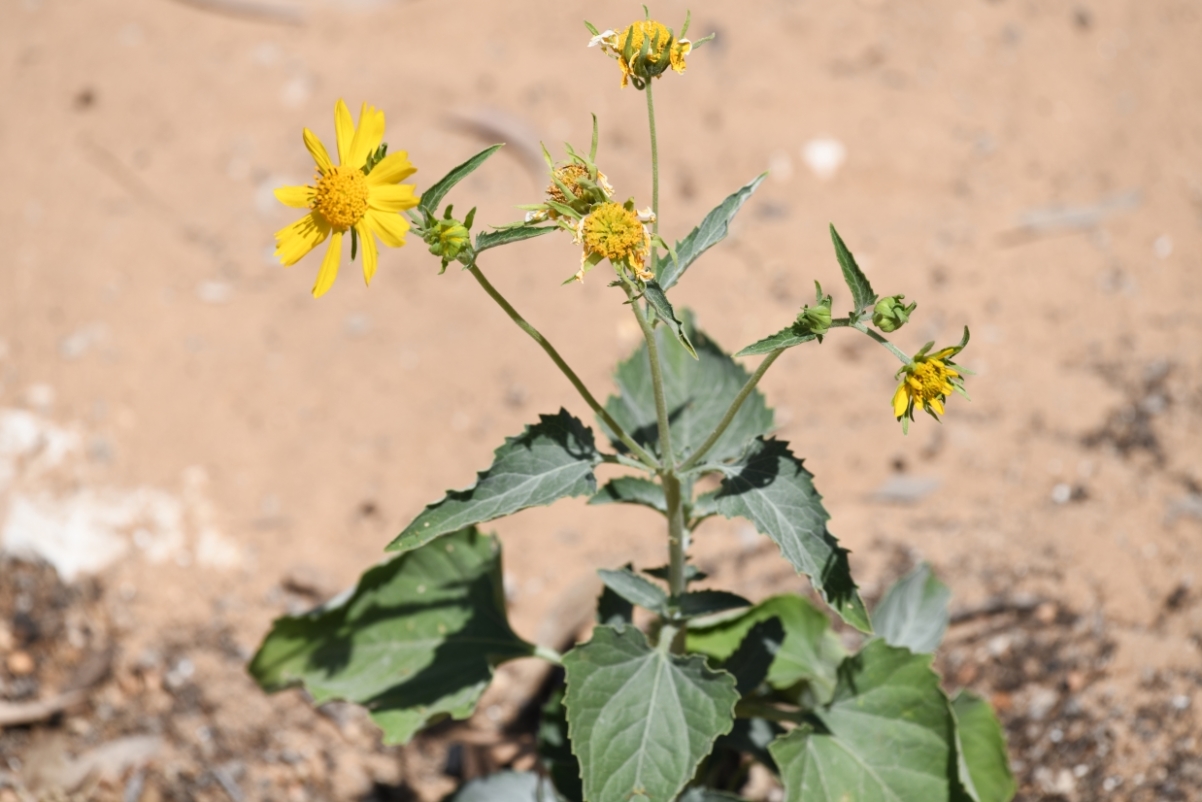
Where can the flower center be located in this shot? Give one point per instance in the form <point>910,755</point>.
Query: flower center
<point>932,380</point>
<point>341,197</point>
<point>614,232</point>
<point>657,32</point>
<point>569,175</point>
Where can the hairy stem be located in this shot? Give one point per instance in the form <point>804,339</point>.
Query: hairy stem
<point>733,410</point>
<point>654,172</point>
<point>897,352</point>
<point>643,455</point>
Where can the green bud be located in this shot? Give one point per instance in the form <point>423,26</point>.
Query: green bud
<point>449,238</point>
<point>890,314</point>
<point>816,319</point>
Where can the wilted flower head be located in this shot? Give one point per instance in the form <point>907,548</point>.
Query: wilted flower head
<point>645,49</point>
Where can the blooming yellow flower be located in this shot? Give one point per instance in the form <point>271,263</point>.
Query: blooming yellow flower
<point>927,382</point>
<point>614,232</point>
<point>349,195</point>
<point>663,50</point>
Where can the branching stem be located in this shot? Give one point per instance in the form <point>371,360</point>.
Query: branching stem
<point>733,410</point>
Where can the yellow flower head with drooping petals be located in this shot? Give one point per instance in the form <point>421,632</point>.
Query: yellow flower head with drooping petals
<point>349,196</point>
<point>615,232</point>
<point>644,50</point>
<point>927,382</point>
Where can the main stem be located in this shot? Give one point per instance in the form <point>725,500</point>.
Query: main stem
<point>672,634</point>
<point>537,336</point>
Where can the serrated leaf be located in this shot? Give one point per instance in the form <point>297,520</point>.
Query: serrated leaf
<point>632,490</point>
<point>712,230</point>
<point>506,786</point>
<point>913,612</point>
<point>415,641</point>
<point>751,661</point>
<point>663,310</point>
<point>697,794</point>
<point>433,196</point>
<point>771,488</point>
<point>861,291</point>
<point>884,737</point>
<point>640,720</point>
<point>634,589</point>
<point>555,750</point>
<point>983,765</point>
<point>697,392</point>
<point>810,651</point>
<point>551,460</point>
<point>787,337</point>
<point>706,602</point>
<point>505,236</point>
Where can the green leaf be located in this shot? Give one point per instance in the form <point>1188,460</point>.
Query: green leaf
<point>811,652</point>
<point>506,786</point>
<point>634,589</point>
<point>711,231</point>
<point>754,657</point>
<point>613,610</point>
<point>663,309</point>
<point>706,602</point>
<point>415,641</point>
<point>698,794</point>
<point>861,291</point>
<point>984,767</point>
<point>884,737</point>
<point>913,612</point>
<point>555,750</point>
<point>787,337</point>
<point>697,392</point>
<point>641,720</point>
<point>505,236</point>
<point>551,460</point>
<point>632,490</point>
<point>432,197</point>
<point>771,488</point>
<point>691,573</point>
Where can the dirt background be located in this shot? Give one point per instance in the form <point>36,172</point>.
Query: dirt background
<point>175,404</point>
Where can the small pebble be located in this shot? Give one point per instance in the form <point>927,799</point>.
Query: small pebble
<point>19,664</point>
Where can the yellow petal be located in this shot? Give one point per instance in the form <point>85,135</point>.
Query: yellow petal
<point>391,197</point>
<point>296,240</point>
<point>901,401</point>
<point>329,266</point>
<point>368,135</point>
<point>318,152</point>
<point>344,131</point>
<point>296,197</point>
<point>392,168</point>
<point>936,405</point>
<point>389,227</point>
<point>370,253</point>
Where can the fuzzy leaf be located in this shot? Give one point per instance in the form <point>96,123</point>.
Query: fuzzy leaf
<point>757,652</point>
<point>433,196</point>
<point>712,230</point>
<point>632,490</point>
<point>634,589</point>
<point>913,612</point>
<point>555,750</point>
<point>641,720</point>
<point>983,767</point>
<point>504,236</point>
<point>884,737</point>
<point>416,640</point>
<point>663,309</point>
<point>861,291</point>
<point>697,392</point>
<point>698,794</point>
<point>787,337</point>
<point>810,652</point>
<point>506,786</point>
<point>771,488</point>
<point>551,460</point>
<point>707,602</point>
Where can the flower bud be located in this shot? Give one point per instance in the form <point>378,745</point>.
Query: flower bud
<point>450,238</point>
<point>890,314</point>
<point>816,319</point>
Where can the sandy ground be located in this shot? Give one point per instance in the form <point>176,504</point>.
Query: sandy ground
<point>234,449</point>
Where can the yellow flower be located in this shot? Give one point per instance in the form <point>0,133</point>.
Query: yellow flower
<point>347,196</point>
<point>927,382</point>
<point>614,232</point>
<point>663,50</point>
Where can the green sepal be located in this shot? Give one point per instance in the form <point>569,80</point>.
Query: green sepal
<point>861,291</point>
<point>433,196</point>
<point>354,242</point>
<point>415,641</point>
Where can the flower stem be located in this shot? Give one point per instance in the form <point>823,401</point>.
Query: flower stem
<point>897,352</point>
<point>733,410</point>
<point>667,458</point>
<point>640,452</point>
<point>654,172</point>
<point>548,654</point>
